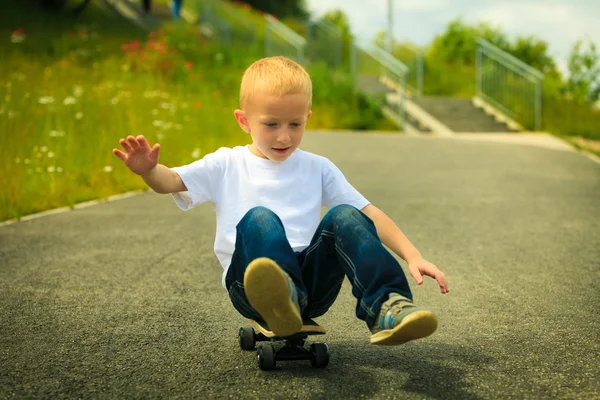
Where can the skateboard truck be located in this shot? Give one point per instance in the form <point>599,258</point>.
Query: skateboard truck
<point>293,347</point>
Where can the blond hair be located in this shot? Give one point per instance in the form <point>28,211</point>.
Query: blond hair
<point>276,76</point>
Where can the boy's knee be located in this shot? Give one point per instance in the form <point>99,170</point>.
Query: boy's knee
<point>259,215</point>
<point>344,212</point>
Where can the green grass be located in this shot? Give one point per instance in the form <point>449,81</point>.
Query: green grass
<point>70,88</point>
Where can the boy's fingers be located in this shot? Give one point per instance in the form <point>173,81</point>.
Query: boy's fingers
<point>119,154</point>
<point>142,141</point>
<point>133,142</point>
<point>443,282</point>
<point>125,145</point>
<point>154,152</point>
<point>417,276</point>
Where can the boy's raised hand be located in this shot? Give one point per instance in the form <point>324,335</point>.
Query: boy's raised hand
<point>138,155</point>
<point>420,266</point>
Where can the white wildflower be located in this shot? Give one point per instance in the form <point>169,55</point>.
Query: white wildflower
<point>11,114</point>
<point>108,168</point>
<point>77,91</point>
<point>69,100</point>
<point>51,168</point>
<point>196,153</point>
<point>44,149</point>
<point>79,115</point>
<point>50,154</point>
<point>59,169</point>
<point>46,100</point>
<point>114,100</point>
<point>18,36</point>
<point>160,136</point>
<point>150,94</point>
<point>158,123</point>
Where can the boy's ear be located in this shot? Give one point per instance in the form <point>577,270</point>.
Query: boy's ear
<point>309,114</point>
<point>242,120</point>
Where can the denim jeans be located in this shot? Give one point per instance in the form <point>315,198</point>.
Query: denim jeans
<point>345,244</point>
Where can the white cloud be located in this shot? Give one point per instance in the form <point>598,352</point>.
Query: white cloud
<point>421,5</point>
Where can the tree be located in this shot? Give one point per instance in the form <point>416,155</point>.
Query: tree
<point>458,43</point>
<point>534,52</point>
<point>339,19</point>
<point>583,84</point>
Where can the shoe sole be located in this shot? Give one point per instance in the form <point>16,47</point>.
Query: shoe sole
<point>416,325</point>
<point>266,288</point>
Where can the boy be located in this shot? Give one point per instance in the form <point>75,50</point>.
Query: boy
<point>281,263</point>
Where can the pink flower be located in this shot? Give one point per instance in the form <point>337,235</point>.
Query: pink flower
<point>188,65</point>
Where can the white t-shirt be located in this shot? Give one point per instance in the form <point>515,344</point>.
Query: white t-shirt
<point>236,180</point>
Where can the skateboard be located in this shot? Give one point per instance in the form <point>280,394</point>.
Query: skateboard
<point>284,348</point>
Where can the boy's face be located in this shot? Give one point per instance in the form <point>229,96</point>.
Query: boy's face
<point>276,124</point>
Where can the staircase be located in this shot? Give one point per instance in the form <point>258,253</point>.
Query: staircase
<point>460,115</point>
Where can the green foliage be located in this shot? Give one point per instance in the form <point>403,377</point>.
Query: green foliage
<point>336,103</point>
<point>280,8</point>
<point>583,84</point>
<point>458,44</point>
<point>534,52</point>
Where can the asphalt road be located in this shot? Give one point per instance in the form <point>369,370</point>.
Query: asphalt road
<point>123,299</point>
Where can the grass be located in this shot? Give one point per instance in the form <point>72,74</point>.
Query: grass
<point>71,87</point>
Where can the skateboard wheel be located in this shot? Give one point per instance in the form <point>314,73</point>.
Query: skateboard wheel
<point>319,355</point>
<point>246,339</point>
<point>266,357</point>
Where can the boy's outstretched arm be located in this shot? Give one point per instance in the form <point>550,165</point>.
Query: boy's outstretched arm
<point>392,237</point>
<point>141,159</point>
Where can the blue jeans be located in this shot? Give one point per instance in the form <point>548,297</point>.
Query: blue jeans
<point>345,244</point>
<point>176,8</point>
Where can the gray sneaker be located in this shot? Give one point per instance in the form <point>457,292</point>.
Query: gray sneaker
<point>273,294</point>
<point>401,321</point>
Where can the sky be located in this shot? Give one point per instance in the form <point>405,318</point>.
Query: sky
<point>559,22</point>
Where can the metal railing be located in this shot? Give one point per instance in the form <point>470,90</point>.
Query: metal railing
<point>382,77</point>
<point>510,85</point>
<point>212,24</point>
<point>282,41</point>
<point>412,57</point>
<point>324,43</point>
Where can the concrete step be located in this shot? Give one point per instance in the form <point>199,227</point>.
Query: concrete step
<point>460,115</point>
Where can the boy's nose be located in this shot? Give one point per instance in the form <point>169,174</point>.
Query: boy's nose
<point>283,138</point>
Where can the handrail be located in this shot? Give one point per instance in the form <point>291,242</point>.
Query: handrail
<point>285,31</point>
<point>393,77</point>
<point>499,89</point>
<point>509,58</point>
<point>386,59</point>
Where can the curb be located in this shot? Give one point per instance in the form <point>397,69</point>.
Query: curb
<point>75,207</point>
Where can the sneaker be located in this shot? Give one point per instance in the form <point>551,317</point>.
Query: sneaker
<point>272,293</point>
<point>401,321</point>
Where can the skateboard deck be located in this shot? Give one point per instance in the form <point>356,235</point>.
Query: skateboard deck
<point>309,327</point>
